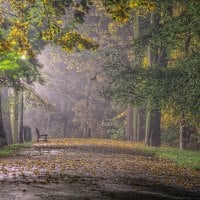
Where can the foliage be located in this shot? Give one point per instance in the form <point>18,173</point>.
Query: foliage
<point>15,71</point>
<point>114,129</point>
<point>36,21</point>
<point>164,87</point>
<point>121,10</point>
<point>33,100</point>
<point>167,86</point>
<point>122,81</point>
<point>75,40</point>
<point>174,42</point>
<point>169,135</point>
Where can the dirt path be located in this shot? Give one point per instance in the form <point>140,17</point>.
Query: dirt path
<point>88,170</point>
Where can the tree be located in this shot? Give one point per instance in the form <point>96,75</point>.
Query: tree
<point>3,139</point>
<point>171,32</point>
<point>117,10</point>
<point>26,26</point>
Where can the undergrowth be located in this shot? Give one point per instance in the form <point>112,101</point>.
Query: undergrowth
<point>12,149</point>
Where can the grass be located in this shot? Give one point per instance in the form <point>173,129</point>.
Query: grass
<point>12,149</point>
<point>184,158</point>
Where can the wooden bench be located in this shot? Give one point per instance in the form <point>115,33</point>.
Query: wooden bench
<point>41,137</point>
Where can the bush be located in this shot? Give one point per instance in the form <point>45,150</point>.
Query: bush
<point>170,136</point>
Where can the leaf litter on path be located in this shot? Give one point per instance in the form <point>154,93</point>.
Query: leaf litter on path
<point>111,169</point>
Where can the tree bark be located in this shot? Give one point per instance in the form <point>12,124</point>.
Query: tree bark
<point>65,134</point>
<point>136,123</point>
<point>14,114</point>
<point>142,116</point>
<point>129,131</point>
<point>182,137</point>
<point>182,134</point>
<point>152,136</point>
<point>6,114</point>
<point>3,140</point>
<point>183,126</point>
<point>137,61</point>
<point>21,117</point>
<point>153,117</point>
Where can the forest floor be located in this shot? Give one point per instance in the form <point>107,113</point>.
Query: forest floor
<point>91,169</point>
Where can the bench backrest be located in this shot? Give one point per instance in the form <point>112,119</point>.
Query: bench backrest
<point>37,131</point>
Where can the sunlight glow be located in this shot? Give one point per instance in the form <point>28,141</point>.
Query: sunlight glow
<point>23,57</point>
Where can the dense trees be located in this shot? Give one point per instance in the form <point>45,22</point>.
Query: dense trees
<point>168,39</point>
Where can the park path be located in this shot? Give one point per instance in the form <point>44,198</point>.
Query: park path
<point>93,169</point>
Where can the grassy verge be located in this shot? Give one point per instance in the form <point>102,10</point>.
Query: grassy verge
<point>185,158</point>
<point>12,149</point>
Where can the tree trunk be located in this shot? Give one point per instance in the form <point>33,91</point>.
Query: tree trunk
<point>21,117</point>
<point>147,130</point>
<point>154,125</point>
<point>183,125</point>
<point>86,128</point>
<point>48,124</point>
<point>3,140</point>
<point>14,114</point>
<point>152,136</point>
<point>136,123</point>
<point>153,117</point>
<point>141,130</point>
<point>137,61</point>
<point>85,131</point>
<point>65,134</point>
<point>182,139</point>
<point>6,115</point>
<point>129,131</point>
<point>182,134</point>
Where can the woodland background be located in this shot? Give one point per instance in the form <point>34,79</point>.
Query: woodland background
<point>103,69</point>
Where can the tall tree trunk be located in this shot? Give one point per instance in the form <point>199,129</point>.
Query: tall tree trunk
<point>153,117</point>
<point>48,123</point>
<point>142,126</point>
<point>129,130</point>
<point>6,114</point>
<point>183,126</point>
<point>147,129</point>
<point>65,134</point>
<point>87,130</point>
<point>182,136</point>
<point>154,126</point>
<point>21,117</point>
<point>3,140</point>
<point>136,122</point>
<point>152,135</point>
<point>14,114</point>
<point>137,61</point>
